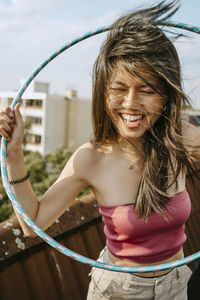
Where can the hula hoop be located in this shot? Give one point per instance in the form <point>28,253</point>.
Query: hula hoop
<point>28,220</point>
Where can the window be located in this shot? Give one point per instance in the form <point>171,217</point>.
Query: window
<point>33,139</point>
<point>37,120</point>
<point>34,103</point>
<point>38,103</point>
<point>34,120</point>
<point>37,139</point>
<point>29,102</point>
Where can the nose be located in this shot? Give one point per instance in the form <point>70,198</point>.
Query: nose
<point>130,100</point>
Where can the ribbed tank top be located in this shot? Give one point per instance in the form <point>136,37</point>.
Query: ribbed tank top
<point>130,238</point>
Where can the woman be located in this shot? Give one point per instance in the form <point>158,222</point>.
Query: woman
<point>135,164</point>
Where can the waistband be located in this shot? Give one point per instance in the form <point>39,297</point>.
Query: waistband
<point>173,273</point>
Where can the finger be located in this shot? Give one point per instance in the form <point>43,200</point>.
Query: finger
<point>7,109</point>
<point>18,116</point>
<point>5,126</point>
<point>9,112</point>
<point>17,107</point>
<point>5,116</point>
<point>4,134</point>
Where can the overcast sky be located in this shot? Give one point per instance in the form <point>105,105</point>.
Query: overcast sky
<point>31,30</point>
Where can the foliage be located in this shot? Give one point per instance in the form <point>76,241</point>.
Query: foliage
<point>6,209</point>
<point>44,170</point>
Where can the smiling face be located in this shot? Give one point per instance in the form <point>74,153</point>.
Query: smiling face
<point>132,105</point>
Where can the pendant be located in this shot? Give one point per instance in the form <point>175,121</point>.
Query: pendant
<point>130,166</point>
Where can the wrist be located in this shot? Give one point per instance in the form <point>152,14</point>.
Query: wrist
<point>20,180</point>
<point>14,154</point>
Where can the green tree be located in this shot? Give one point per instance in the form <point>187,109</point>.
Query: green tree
<point>6,209</point>
<point>44,170</point>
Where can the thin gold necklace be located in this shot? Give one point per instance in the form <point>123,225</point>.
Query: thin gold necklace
<point>130,164</point>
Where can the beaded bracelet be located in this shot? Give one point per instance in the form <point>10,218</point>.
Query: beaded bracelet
<point>21,179</point>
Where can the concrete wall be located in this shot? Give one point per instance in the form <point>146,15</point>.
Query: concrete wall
<point>79,128</point>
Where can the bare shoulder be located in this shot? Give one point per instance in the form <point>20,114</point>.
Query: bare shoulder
<point>85,155</point>
<point>190,131</point>
<point>191,139</point>
<point>81,163</point>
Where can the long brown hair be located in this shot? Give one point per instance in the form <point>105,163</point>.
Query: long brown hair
<point>135,40</point>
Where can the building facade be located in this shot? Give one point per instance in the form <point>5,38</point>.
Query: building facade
<point>52,120</point>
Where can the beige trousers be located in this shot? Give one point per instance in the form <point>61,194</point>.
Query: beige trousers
<point>118,286</point>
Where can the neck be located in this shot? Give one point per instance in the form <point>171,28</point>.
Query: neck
<point>134,148</point>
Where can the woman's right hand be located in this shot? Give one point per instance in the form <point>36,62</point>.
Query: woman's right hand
<point>12,128</point>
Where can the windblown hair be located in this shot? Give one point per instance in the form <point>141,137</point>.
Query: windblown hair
<point>135,41</point>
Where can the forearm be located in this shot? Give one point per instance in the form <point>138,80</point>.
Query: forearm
<point>23,191</point>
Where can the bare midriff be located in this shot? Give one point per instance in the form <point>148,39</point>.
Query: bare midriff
<point>119,262</point>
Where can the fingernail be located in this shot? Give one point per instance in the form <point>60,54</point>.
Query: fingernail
<point>10,114</point>
<point>11,117</point>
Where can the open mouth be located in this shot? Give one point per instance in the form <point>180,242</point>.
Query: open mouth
<point>132,121</point>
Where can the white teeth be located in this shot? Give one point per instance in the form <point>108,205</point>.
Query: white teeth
<point>132,117</point>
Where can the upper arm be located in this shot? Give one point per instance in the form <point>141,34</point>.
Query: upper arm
<point>63,192</point>
<point>191,139</point>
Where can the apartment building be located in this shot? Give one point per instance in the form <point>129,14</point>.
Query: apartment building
<point>52,120</point>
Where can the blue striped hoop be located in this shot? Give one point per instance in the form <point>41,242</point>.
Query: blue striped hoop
<point>28,220</point>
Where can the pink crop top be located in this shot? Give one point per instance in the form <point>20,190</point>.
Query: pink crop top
<point>131,239</point>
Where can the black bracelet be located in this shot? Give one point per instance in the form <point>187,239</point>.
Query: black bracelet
<point>21,179</point>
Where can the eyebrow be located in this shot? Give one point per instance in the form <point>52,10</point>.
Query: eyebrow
<point>119,83</point>
<point>125,85</point>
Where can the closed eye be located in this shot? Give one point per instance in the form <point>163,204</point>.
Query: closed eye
<point>147,92</point>
<point>118,89</point>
